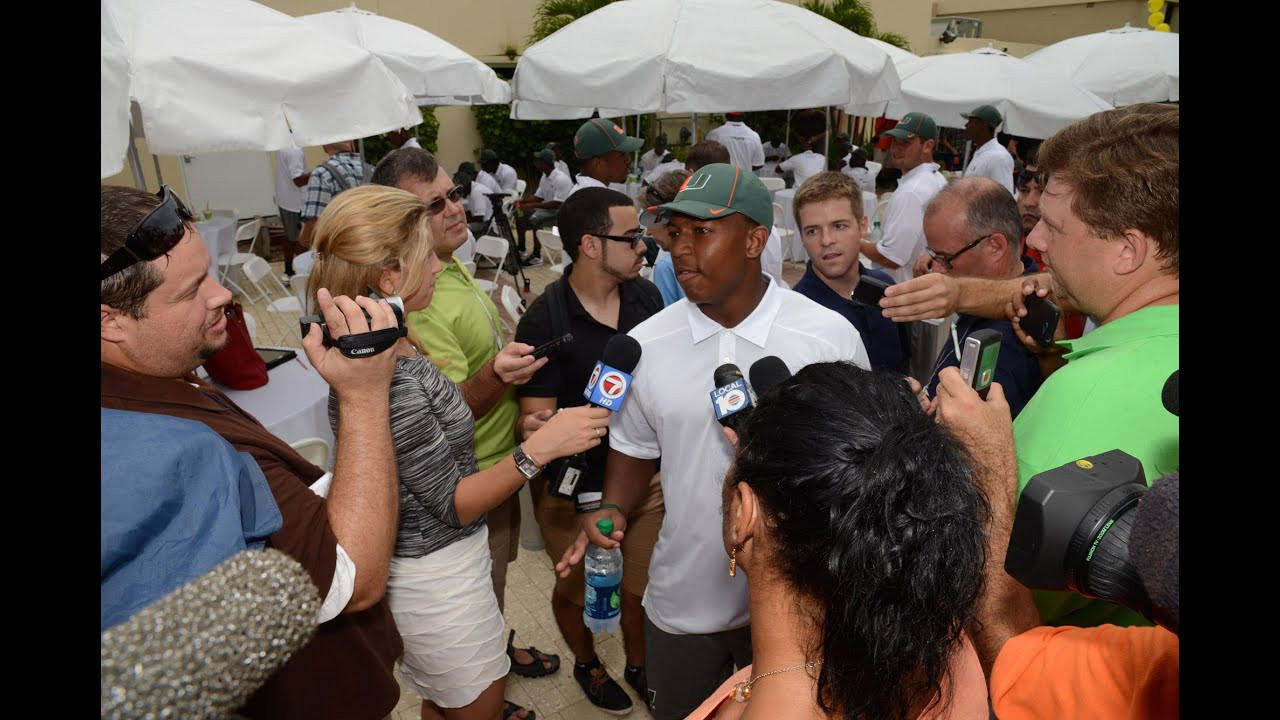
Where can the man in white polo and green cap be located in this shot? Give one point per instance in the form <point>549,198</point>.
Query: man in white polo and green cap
<point>696,615</point>
<point>603,151</point>
<point>991,159</point>
<point>902,226</point>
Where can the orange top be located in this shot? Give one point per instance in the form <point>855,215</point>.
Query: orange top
<point>1097,672</point>
<point>968,701</point>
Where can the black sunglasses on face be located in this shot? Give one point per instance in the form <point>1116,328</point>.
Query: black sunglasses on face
<point>435,207</point>
<point>631,240</point>
<point>946,259</point>
<point>154,235</point>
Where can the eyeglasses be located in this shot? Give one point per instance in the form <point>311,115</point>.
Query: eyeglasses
<point>153,236</point>
<point>945,260</point>
<point>632,240</point>
<point>435,207</point>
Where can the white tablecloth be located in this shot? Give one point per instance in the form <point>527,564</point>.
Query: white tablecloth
<point>219,235</point>
<point>293,405</point>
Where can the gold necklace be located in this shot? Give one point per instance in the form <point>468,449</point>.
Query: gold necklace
<point>742,691</point>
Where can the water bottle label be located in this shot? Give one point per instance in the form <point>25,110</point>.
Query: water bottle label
<point>603,602</point>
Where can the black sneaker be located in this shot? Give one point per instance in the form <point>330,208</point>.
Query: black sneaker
<point>601,690</point>
<point>531,261</point>
<point>638,680</point>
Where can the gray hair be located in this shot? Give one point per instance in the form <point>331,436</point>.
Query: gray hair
<point>989,209</point>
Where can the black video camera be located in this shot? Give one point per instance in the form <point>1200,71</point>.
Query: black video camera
<point>1072,530</point>
<point>366,344</point>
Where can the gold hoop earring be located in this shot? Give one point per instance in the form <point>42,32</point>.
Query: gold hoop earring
<point>733,562</point>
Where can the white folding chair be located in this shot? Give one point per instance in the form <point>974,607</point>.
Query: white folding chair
<point>511,302</point>
<point>520,186</point>
<point>314,450</point>
<point>552,242</point>
<point>494,249</point>
<point>470,265</point>
<point>258,272</point>
<point>773,184</point>
<point>252,325</point>
<point>227,261</point>
<point>298,284</point>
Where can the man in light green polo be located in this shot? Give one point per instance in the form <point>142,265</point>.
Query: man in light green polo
<point>463,331</point>
<point>1109,237</point>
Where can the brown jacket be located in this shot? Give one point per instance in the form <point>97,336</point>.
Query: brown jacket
<point>346,672</point>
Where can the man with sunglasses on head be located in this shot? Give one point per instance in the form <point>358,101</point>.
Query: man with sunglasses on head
<point>600,295</point>
<point>697,619</point>
<point>163,314</point>
<point>972,229</point>
<point>463,330</point>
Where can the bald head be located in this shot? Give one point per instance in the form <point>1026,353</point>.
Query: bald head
<point>971,208</point>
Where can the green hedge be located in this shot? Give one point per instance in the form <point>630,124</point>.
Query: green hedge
<point>377,147</point>
<point>516,141</point>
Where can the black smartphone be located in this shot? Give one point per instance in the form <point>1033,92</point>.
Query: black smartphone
<point>978,357</point>
<point>869,291</point>
<point>275,356</point>
<point>545,349</point>
<point>1041,320</point>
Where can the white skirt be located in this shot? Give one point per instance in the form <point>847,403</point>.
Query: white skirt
<point>444,607</point>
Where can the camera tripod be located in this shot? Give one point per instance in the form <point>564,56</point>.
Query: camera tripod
<point>502,225</point>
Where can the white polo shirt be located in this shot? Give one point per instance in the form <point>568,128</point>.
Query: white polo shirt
<point>994,161</point>
<point>563,167</point>
<point>290,163</point>
<point>506,176</point>
<point>861,175</point>
<point>651,160</point>
<point>477,203</point>
<point>554,187</point>
<point>803,165</point>
<point>585,181</point>
<point>773,155</point>
<point>488,181</point>
<point>902,227</point>
<point>668,413</point>
<point>745,149</point>
<point>663,169</point>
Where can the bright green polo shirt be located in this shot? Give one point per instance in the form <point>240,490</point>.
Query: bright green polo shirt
<point>462,328</point>
<point>1107,397</point>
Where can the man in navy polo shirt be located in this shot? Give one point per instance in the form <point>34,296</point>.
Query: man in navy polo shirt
<point>829,213</point>
<point>972,228</point>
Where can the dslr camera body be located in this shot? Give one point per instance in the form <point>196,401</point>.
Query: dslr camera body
<point>366,344</point>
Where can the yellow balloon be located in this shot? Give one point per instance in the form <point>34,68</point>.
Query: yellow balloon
<point>1162,27</point>
<point>1154,5</point>
<point>1155,19</point>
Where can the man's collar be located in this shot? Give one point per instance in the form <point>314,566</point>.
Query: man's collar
<point>923,168</point>
<point>754,328</point>
<point>1153,321</point>
<point>588,181</point>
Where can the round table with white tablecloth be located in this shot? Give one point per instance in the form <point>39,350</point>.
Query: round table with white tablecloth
<point>219,235</point>
<point>293,405</point>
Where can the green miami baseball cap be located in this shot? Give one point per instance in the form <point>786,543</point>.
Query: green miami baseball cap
<point>546,155</point>
<point>467,167</point>
<point>598,136</point>
<point>913,124</point>
<point>715,191</point>
<point>486,155</point>
<point>986,113</point>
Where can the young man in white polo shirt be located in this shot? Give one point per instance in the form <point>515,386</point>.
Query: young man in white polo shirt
<point>902,237</point>
<point>743,143</point>
<point>604,151</point>
<point>991,159</point>
<point>804,164</point>
<point>696,627</point>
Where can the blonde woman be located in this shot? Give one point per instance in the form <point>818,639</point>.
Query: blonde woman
<point>377,238</point>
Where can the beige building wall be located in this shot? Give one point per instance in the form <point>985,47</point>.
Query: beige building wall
<point>1044,22</point>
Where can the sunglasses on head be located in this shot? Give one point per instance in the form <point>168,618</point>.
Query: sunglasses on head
<point>1026,176</point>
<point>435,207</point>
<point>153,236</point>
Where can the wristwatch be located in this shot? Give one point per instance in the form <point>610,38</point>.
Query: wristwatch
<point>525,464</point>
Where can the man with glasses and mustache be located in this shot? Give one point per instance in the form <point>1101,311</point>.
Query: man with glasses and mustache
<point>163,315</point>
<point>600,295</point>
<point>463,330</point>
<point>972,229</point>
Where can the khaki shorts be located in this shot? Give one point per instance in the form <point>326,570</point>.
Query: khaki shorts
<point>504,542</point>
<point>559,524</point>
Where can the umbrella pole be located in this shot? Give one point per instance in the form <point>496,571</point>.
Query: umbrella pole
<point>786,138</point>
<point>826,137</point>
<point>695,128</point>
<point>361,144</point>
<point>159,177</point>
<point>135,164</point>
<point>968,145</point>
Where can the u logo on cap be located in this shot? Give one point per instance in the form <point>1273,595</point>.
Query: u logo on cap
<point>696,182</point>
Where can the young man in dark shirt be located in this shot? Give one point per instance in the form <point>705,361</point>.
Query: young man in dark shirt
<point>599,296</point>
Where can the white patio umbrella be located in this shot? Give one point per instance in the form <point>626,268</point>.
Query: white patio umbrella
<point>1123,66</point>
<point>1035,102</point>
<point>218,75</point>
<point>437,72</point>
<point>699,56</point>
<point>115,97</point>
<point>899,57</point>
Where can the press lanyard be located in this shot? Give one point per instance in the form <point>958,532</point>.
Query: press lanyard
<point>493,325</point>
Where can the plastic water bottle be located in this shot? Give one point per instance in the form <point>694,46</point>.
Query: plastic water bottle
<point>874,236</point>
<point>603,598</point>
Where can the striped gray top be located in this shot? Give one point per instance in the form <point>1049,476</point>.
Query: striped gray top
<point>432,429</point>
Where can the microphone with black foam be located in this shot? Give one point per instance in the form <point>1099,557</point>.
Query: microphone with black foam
<point>203,650</point>
<point>766,372</point>
<point>731,399</point>
<point>607,388</point>
<point>1153,548</point>
<point>1169,394</point>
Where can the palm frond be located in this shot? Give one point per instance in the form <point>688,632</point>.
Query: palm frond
<point>552,15</point>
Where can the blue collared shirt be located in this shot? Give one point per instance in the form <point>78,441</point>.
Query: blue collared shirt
<point>888,344</point>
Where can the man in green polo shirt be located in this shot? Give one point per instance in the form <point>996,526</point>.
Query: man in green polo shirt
<point>462,330</point>
<point>1109,237</point>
